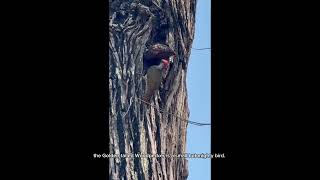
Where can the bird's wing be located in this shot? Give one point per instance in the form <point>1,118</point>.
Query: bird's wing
<point>154,77</point>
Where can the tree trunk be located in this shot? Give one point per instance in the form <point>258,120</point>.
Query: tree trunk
<point>137,127</point>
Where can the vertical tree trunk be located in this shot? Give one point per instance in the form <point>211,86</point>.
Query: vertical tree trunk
<point>136,127</point>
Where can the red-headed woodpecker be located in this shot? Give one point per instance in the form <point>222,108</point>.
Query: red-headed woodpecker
<point>154,78</point>
<point>155,54</point>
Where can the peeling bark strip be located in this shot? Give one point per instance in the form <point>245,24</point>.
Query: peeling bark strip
<point>133,26</point>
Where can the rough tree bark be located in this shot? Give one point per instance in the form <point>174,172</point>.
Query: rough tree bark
<point>136,127</point>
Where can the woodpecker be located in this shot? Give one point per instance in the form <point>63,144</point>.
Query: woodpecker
<point>154,78</point>
<point>155,54</point>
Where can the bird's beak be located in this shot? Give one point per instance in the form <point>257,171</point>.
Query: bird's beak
<point>166,63</point>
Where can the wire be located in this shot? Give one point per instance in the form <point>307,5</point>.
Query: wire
<point>191,122</point>
<point>200,48</point>
<point>128,108</point>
